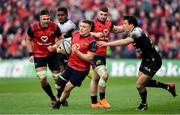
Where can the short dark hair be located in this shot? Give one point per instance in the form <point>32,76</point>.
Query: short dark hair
<point>88,22</point>
<point>131,20</point>
<point>44,12</point>
<point>63,9</point>
<point>103,9</point>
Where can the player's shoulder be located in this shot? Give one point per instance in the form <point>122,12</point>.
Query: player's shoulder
<point>91,38</point>
<point>76,32</point>
<point>73,25</point>
<point>137,30</point>
<point>53,24</point>
<point>35,26</point>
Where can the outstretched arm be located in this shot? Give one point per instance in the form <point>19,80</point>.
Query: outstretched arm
<point>117,29</point>
<point>120,42</point>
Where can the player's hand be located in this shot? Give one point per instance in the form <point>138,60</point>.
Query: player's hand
<point>31,59</point>
<point>59,50</point>
<point>75,47</point>
<point>51,48</point>
<point>99,34</point>
<point>102,43</point>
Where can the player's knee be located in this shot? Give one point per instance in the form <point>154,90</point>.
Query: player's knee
<point>102,82</point>
<point>69,86</point>
<point>42,77</point>
<point>101,71</point>
<point>56,75</point>
<point>139,86</point>
<point>42,74</point>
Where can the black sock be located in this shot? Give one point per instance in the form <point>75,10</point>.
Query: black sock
<point>93,99</point>
<point>60,92</point>
<point>49,92</point>
<point>154,83</point>
<point>102,96</point>
<point>143,96</point>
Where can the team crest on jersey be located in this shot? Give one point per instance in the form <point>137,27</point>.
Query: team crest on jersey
<point>44,38</point>
<point>51,34</point>
<point>83,44</point>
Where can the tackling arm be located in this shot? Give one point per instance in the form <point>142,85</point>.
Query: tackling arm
<point>120,42</point>
<point>117,29</point>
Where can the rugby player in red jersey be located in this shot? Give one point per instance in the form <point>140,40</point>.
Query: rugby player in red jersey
<point>83,51</point>
<point>101,30</point>
<point>41,36</point>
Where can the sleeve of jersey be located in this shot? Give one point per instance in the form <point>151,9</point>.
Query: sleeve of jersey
<point>111,27</point>
<point>29,32</point>
<point>92,47</point>
<point>134,35</point>
<point>58,31</point>
<point>69,33</point>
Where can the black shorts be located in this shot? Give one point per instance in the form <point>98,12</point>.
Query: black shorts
<point>51,61</point>
<point>74,76</point>
<point>99,60</point>
<point>151,65</point>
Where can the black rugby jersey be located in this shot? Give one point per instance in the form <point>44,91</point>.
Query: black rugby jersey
<point>142,43</point>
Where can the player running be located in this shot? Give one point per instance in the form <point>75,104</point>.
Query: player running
<point>83,51</point>
<point>151,60</point>
<point>41,36</point>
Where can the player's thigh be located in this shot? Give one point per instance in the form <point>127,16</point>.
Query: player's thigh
<point>54,62</point>
<point>95,76</point>
<point>40,62</point>
<point>150,66</point>
<point>98,61</point>
<point>77,77</point>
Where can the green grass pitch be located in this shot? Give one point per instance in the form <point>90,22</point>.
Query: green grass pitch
<point>24,96</point>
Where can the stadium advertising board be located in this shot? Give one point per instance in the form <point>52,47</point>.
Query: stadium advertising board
<point>116,68</point>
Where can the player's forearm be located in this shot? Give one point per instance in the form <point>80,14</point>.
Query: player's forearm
<point>118,29</point>
<point>85,57</point>
<point>29,43</point>
<point>115,43</point>
<point>58,41</point>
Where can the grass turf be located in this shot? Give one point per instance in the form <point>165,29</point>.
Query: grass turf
<point>25,96</point>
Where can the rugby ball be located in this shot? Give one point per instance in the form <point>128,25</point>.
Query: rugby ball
<point>66,45</point>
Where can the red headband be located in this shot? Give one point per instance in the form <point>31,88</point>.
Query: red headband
<point>44,16</point>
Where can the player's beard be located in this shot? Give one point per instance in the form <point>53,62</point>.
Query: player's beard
<point>44,24</point>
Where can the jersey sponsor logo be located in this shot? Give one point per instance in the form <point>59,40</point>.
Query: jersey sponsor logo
<point>44,38</point>
<point>44,44</point>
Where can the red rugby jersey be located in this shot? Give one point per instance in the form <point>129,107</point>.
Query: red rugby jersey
<point>43,38</point>
<point>86,44</point>
<point>104,28</point>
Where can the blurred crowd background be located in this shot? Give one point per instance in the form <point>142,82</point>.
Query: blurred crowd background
<point>160,19</point>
